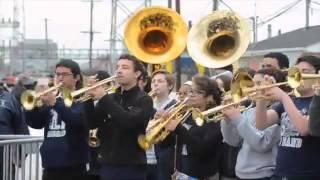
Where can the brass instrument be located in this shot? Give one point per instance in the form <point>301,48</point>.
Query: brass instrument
<point>69,96</point>
<point>94,141</point>
<point>152,94</point>
<point>218,39</point>
<point>85,98</point>
<point>215,114</point>
<point>242,84</point>
<point>156,35</point>
<point>157,132</point>
<point>31,99</point>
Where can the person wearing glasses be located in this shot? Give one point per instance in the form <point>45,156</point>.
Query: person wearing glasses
<point>65,150</point>
<point>298,152</point>
<point>198,147</point>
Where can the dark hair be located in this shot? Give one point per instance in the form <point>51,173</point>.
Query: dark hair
<point>312,60</point>
<point>281,58</point>
<point>210,87</point>
<point>169,78</point>
<point>102,75</point>
<point>75,70</point>
<point>137,65</point>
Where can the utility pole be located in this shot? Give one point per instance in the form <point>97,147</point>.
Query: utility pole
<point>47,43</point>
<point>307,13</point>
<point>177,61</point>
<point>215,5</point>
<point>254,28</point>
<point>91,33</point>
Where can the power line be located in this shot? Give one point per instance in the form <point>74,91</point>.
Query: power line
<point>225,4</point>
<point>284,10</point>
<point>315,2</point>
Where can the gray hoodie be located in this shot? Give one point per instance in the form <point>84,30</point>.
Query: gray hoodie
<point>257,156</point>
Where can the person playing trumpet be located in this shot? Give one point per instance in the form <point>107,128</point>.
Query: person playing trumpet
<point>65,150</point>
<point>257,155</point>
<point>297,156</point>
<point>198,148</point>
<point>121,117</point>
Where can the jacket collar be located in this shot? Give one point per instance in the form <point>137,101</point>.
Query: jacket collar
<point>129,92</point>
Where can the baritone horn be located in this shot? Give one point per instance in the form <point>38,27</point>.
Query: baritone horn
<point>157,133</point>
<point>156,35</point>
<point>68,97</point>
<point>29,98</point>
<point>219,39</point>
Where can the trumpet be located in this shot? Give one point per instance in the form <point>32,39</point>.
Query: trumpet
<point>243,85</point>
<point>85,98</point>
<point>94,141</point>
<point>152,93</point>
<point>157,133</point>
<point>69,96</point>
<point>31,99</point>
<point>215,114</point>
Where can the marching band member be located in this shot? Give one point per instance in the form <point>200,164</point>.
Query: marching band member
<point>184,90</point>
<point>121,117</point>
<point>65,150</point>
<point>257,156</point>
<point>198,148</point>
<point>314,112</point>
<point>297,151</point>
<point>162,84</point>
<point>275,60</point>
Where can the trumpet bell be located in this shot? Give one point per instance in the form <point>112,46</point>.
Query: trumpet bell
<point>156,35</point>
<point>294,77</point>
<point>240,81</point>
<point>218,39</point>
<point>28,99</point>
<point>143,143</point>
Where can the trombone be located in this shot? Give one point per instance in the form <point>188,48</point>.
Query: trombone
<point>69,96</point>
<point>30,99</point>
<point>157,133</point>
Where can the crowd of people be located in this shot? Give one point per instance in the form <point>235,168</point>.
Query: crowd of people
<point>276,137</point>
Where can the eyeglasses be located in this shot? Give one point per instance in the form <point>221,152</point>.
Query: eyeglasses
<point>64,74</point>
<point>196,92</point>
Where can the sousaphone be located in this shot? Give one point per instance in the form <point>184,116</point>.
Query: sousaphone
<point>218,39</point>
<point>156,35</point>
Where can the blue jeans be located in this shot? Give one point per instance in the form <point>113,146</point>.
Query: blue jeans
<point>122,172</point>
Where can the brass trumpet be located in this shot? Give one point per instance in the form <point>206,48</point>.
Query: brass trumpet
<point>30,99</point>
<point>179,111</point>
<point>215,114</point>
<point>69,96</point>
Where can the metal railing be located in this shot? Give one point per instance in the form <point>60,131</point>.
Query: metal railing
<point>21,157</point>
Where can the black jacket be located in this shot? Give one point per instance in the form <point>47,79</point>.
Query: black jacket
<point>121,117</point>
<point>314,113</point>
<point>203,145</point>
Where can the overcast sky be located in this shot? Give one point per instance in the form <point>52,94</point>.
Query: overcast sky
<point>67,18</point>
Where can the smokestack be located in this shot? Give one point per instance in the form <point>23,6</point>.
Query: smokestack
<point>279,32</point>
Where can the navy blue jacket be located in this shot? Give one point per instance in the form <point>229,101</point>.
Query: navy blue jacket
<point>11,119</point>
<point>65,134</point>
